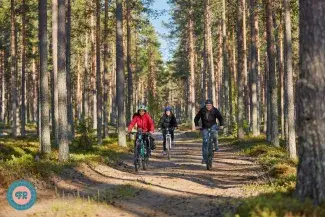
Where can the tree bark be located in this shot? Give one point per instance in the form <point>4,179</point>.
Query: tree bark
<point>226,75</point>
<point>291,142</point>
<point>93,69</point>
<point>62,84</point>
<point>98,76</point>
<point>14,73</point>
<point>120,94</point>
<point>85,92</point>
<point>192,68</point>
<point>310,102</point>
<point>272,73</point>
<point>69,75</point>
<point>45,136</point>
<point>54,75</point>
<point>23,71</point>
<point>241,68</point>
<point>129,64</point>
<point>106,74</point>
<point>254,67</point>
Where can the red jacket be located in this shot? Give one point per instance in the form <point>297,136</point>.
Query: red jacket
<point>144,122</point>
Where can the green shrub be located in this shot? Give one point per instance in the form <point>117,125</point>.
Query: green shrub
<point>87,138</point>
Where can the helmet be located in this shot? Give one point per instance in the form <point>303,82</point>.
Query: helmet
<point>142,107</point>
<point>208,101</point>
<point>168,108</point>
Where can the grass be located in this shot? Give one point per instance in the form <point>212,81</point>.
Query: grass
<point>17,158</point>
<point>276,196</point>
<point>90,206</point>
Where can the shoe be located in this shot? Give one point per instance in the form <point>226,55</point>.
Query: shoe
<point>164,153</point>
<point>203,161</point>
<point>216,148</point>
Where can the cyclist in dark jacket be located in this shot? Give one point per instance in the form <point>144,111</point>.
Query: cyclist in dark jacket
<point>168,120</point>
<point>208,115</point>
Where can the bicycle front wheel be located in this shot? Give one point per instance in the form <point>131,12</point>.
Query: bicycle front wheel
<point>168,146</point>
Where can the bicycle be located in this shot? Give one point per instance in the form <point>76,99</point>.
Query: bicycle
<point>141,154</point>
<point>168,142</point>
<point>209,146</point>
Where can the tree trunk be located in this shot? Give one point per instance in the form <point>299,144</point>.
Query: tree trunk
<point>291,142</point>
<point>241,68</point>
<point>272,73</point>
<point>98,76</point>
<point>85,92</point>
<point>23,70</point>
<point>54,75</point>
<point>226,75</point>
<point>14,73</point>
<point>3,89</point>
<point>310,101</point>
<point>254,67</point>
<point>210,53</point>
<point>62,84</point>
<point>93,70</point>
<point>120,74</point>
<point>246,85</point>
<point>129,64</point>
<point>45,136</point>
<point>69,76</point>
<point>192,69</point>
<point>106,75</point>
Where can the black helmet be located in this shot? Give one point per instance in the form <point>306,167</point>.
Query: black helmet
<point>208,101</point>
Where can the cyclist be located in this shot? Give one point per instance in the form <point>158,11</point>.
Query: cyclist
<point>208,115</point>
<point>144,123</point>
<point>168,120</point>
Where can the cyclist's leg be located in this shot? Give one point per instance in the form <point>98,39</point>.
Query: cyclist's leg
<point>164,143</point>
<point>148,145</point>
<point>205,135</point>
<point>172,136</point>
<point>215,140</point>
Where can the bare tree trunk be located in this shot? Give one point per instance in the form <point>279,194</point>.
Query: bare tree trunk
<point>3,89</point>
<point>246,85</point>
<point>291,142</point>
<point>254,68</point>
<point>62,84</point>
<point>93,70</point>
<point>14,73</point>
<point>272,73</point>
<point>241,68</point>
<point>106,75</point>
<point>120,74</point>
<point>98,78</point>
<point>23,70</point>
<point>210,53</point>
<point>85,92</point>
<point>192,69</point>
<point>226,75</point>
<point>45,136</point>
<point>69,76</point>
<point>311,104</point>
<point>54,75</point>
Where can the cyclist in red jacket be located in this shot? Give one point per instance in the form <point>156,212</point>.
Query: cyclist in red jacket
<point>144,123</point>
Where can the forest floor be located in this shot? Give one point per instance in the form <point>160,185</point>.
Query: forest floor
<point>179,187</point>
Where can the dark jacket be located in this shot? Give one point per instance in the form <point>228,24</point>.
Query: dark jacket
<point>167,121</point>
<point>208,118</point>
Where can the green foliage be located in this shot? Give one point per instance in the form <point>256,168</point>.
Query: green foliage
<point>278,204</point>
<point>275,197</point>
<point>87,137</point>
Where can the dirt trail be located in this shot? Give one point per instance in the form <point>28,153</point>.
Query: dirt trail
<point>180,187</point>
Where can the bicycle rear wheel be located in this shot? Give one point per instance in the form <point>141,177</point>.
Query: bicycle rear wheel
<point>136,159</point>
<point>168,146</point>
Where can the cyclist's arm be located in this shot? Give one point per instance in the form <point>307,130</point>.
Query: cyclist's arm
<point>219,117</point>
<point>131,125</point>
